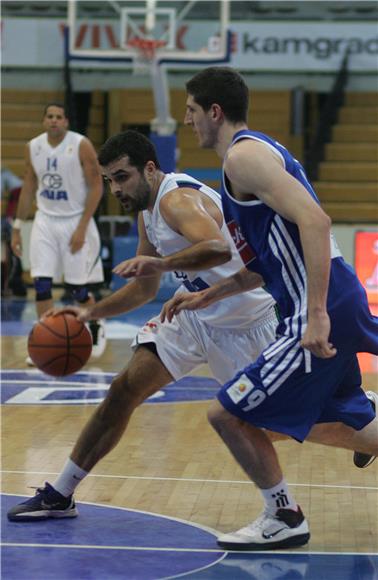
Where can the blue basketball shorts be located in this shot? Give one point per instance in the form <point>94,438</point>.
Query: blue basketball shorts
<point>278,394</point>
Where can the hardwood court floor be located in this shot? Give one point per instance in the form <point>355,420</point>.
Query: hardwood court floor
<point>171,462</point>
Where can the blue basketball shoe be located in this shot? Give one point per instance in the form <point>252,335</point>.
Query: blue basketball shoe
<point>47,503</point>
<point>364,459</point>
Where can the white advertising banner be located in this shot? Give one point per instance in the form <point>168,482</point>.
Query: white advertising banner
<point>306,46</point>
<point>257,46</point>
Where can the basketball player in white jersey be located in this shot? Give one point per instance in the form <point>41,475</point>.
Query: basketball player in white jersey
<point>178,216</point>
<point>63,175</point>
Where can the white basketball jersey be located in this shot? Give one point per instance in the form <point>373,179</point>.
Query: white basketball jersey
<point>239,311</point>
<point>62,189</point>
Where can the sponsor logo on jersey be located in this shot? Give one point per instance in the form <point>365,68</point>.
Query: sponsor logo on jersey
<point>150,327</point>
<point>52,180</point>
<point>180,275</point>
<point>240,389</point>
<point>246,253</point>
<point>54,195</point>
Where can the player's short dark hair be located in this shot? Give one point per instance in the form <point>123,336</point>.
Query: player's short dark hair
<point>135,145</point>
<point>224,86</point>
<point>56,104</point>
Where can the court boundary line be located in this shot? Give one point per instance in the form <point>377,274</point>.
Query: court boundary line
<point>99,547</point>
<point>211,531</point>
<point>191,480</point>
<point>202,550</point>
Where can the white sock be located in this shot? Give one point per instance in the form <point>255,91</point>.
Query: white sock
<point>69,478</point>
<point>278,497</point>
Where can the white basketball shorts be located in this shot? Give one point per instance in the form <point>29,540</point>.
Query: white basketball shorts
<point>50,254</point>
<point>186,342</point>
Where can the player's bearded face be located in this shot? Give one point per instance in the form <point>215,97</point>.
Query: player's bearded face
<point>128,185</point>
<point>138,200</point>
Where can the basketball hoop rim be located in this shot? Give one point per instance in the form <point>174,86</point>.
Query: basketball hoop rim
<point>147,47</point>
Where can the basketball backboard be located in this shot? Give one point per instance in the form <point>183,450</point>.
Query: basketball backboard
<point>186,32</point>
<point>150,37</point>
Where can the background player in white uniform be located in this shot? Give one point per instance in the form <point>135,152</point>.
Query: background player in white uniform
<point>177,217</point>
<point>63,175</point>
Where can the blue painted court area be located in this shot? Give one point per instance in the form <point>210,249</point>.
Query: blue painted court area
<point>34,387</point>
<point>109,543</point>
<point>104,543</point>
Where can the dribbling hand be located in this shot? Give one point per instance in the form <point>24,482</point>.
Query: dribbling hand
<point>82,314</point>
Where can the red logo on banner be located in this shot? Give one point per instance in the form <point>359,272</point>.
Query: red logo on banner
<point>246,253</point>
<point>89,35</point>
<point>366,263</point>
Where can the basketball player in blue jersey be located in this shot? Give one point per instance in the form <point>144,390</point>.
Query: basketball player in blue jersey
<point>63,177</point>
<point>307,383</point>
<point>179,219</point>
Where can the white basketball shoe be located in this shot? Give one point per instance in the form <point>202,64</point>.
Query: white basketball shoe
<point>285,529</point>
<point>29,361</point>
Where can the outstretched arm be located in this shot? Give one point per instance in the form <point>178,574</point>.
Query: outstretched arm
<point>197,220</point>
<point>134,294</point>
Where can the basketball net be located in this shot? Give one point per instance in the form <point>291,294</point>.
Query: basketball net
<point>145,53</point>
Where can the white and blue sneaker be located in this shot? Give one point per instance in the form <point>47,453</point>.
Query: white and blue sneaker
<point>362,460</point>
<point>285,529</point>
<point>47,503</point>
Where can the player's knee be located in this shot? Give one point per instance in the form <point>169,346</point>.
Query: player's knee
<point>43,288</point>
<point>78,292</point>
<point>113,408</point>
<point>217,416</point>
<point>123,395</point>
<point>221,420</point>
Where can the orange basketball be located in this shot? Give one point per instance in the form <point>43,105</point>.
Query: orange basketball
<point>60,345</point>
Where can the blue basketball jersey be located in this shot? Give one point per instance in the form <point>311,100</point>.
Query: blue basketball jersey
<point>270,245</point>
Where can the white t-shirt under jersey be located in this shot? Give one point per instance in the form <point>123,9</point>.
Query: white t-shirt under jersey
<point>62,189</point>
<point>236,312</point>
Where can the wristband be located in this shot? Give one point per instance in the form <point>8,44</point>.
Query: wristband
<point>17,224</point>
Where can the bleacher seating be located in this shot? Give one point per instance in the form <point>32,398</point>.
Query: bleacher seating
<point>21,116</point>
<point>348,177</point>
<point>270,112</point>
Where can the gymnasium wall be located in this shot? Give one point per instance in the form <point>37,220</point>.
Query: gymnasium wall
<point>347,182</point>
